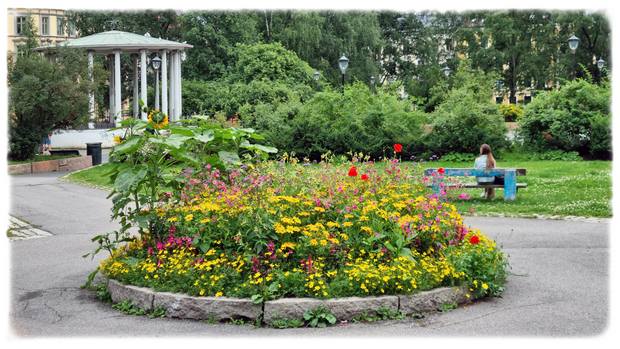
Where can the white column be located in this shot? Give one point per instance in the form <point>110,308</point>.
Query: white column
<point>136,78</point>
<point>117,86</point>
<point>171,100</point>
<point>91,93</point>
<point>143,81</point>
<point>111,90</point>
<point>176,85</point>
<point>180,89</point>
<point>164,82</point>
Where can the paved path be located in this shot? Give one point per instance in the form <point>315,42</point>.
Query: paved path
<point>558,286</point>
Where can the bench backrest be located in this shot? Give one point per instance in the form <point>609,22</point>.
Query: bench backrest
<point>466,172</point>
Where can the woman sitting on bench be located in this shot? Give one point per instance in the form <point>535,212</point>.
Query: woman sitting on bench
<point>487,161</point>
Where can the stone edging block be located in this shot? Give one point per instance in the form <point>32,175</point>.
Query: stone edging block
<point>204,308</point>
<point>139,296</point>
<point>345,308</point>
<point>432,300</point>
<point>224,308</point>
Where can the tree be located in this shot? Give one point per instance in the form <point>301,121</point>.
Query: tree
<point>320,38</point>
<point>594,33</point>
<point>214,36</point>
<point>45,95</point>
<point>270,62</point>
<point>467,117</point>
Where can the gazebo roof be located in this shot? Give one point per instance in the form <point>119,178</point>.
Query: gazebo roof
<point>117,40</point>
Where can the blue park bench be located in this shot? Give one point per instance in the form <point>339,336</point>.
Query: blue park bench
<point>510,179</point>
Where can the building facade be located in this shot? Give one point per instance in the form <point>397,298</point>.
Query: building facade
<point>51,27</point>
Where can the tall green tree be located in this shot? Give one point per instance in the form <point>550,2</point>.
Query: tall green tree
<point>594,33</point>
<point>214,36</point>
<point>517,44</point>
<point>320,38</point>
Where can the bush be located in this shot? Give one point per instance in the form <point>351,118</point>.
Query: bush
<point>575,118</point>
<point>462,123</point>
<point>356,120</point>
<point>210,97</point>
<point>511,112</point>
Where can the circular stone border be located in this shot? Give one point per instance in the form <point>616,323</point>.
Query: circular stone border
<point>183,306</point>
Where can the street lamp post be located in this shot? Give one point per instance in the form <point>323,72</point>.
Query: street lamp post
<point>316,76</point>
<point>573,43</point>
<point>156,64</point>
<point>343,64</point>
<point>600,64</point>
<point>372,83</point>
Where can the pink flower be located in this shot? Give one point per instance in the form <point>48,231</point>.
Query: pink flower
<point>464,196</point>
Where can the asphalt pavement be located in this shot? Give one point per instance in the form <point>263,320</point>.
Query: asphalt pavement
<point>558,286</point>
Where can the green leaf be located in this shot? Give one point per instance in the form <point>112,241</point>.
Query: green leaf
<point>206,137</point>
<point>228,157</point>
<point>185,157</point>
<point>129,146</point>
<point>266,149</point>
<point>184,131</point>
<point>129,177</point>
<point>257,299</point>
<point>330,318</point>
<point>174,141</point>
<point>307,315</point>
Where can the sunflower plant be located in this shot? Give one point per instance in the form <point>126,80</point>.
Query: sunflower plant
<point>151,159</point>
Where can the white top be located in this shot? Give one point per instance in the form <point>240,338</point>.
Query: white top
<point>481,164</point>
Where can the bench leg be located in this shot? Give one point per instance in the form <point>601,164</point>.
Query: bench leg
<point>510,185</point>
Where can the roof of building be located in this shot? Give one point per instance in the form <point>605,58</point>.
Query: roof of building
<point>118,40</point>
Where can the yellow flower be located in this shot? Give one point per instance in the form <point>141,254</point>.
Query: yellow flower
<point>118,139</point>
<point>347,224</point>
<point>219,294</point>
<point>290,245</point>
<point>485,286</point>
<point>189,217</point>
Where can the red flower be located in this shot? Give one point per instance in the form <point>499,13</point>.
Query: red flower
<point>441,170</point>
<point>364,177</point>
<point>353,171</point>
<point>398,148</point>
<point>474,240</point>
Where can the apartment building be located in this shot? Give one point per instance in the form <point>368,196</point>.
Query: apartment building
<point>51,25</point>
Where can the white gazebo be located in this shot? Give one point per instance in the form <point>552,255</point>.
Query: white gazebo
<point>114,43</point>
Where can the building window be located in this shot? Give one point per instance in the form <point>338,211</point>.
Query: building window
<point>71,29</point>
<point>20,23</point>
<point>60,26</point>
<point>45,25</point>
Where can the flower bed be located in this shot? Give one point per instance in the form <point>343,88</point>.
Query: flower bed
<point>297,230</point>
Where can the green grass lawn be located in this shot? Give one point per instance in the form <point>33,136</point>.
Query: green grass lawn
<point>38,158</point>
<point>555,188</point>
